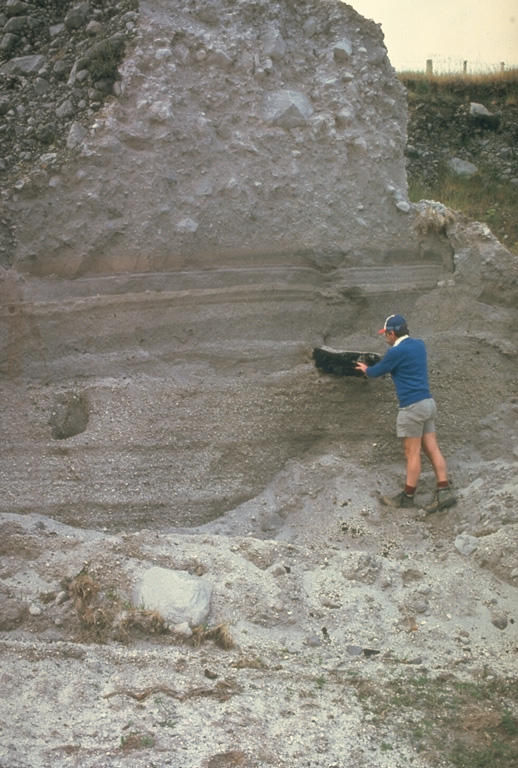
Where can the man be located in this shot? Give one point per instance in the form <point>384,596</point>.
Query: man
<point>406,362</point>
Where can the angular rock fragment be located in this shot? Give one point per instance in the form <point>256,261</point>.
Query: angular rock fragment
<point>287,109</point>
<point>23,65</point>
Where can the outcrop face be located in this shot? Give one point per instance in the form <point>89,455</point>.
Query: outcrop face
<point>237,201</point>
<point>245,132</point>
<point>241,201</point>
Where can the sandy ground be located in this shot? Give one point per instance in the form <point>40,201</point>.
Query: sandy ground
<point>319,587</point>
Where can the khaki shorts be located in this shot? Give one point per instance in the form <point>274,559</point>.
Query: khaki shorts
<point>416,419</point>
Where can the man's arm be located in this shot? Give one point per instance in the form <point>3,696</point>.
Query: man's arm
<point>386,365</point>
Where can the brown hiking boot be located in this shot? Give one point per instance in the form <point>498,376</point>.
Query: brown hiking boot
<point>442,499</point>
<point>401,500</point>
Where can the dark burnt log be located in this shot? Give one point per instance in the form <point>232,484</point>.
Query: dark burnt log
<point>342,363</point>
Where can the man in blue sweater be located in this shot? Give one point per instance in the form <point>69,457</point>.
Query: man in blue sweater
<point>406,362</point>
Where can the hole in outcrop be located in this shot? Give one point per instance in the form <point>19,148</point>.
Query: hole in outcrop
<point>70,415</point>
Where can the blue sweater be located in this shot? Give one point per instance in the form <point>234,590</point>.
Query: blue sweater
<point>407,365</point>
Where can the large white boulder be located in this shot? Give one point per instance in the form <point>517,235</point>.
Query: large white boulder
<point>178,596</point>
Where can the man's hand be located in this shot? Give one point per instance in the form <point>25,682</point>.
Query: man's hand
<point>361,367</point>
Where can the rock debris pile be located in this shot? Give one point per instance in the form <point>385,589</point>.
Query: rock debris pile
<point>58,63</point>
<point>459,132</point>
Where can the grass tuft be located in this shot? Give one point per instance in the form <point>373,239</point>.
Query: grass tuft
<point>468,724</point>
<point>485,84</point>
<point>219,635</point>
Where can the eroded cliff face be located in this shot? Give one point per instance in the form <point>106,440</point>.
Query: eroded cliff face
<point>240,202</point>
<point>249,132</point>
<point>164,281</point>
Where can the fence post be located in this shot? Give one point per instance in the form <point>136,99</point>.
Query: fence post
<point>502,66</point>
<point>465,68</point>
<point>429,67</point>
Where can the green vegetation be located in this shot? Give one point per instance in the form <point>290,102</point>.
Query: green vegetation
<point>104,58</point>
<point>481,198</point>
<point>137,740</point>
<point>320,681</point>
<point>441,103</point>
<point>469,724</point>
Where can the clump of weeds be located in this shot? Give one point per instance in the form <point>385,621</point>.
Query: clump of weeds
<point>104,615</point>
<point>136,740</point>
<point>470,724</point>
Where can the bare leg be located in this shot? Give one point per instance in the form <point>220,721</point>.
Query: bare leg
<point>433,452</point>
<point>413,460</point>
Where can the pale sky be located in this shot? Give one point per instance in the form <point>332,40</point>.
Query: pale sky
<point>481,32</point>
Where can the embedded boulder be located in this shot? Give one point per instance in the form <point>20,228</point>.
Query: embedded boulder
<point>179,597</point>
<point>287,109</point>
